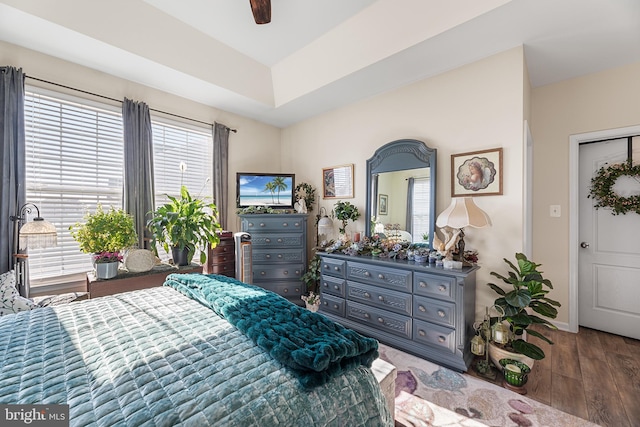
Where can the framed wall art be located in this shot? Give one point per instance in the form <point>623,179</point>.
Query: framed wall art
<point>383,202</point>
<point>477,173</point>
<point>337,182</point>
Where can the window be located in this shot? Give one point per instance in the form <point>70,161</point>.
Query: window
<point>176,143</point>
<point>73,162</point>
<point>421,195</point>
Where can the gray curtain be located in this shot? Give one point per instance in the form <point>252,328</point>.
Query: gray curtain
<point>220,171</point>
<point>138,192</point>
<point>12,192</point>
<point>409,220</point>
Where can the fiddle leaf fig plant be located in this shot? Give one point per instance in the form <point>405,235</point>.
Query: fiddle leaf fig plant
<point>185,222</point>
<point>345,211</point>
<point>526,304</point>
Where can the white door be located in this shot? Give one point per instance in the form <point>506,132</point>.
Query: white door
<point>609,254</point>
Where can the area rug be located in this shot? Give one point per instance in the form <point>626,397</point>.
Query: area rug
<point>431,395</point>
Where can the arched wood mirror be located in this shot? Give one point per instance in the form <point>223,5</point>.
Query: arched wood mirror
<point>401,190</point>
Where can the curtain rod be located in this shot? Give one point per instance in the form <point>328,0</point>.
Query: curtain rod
<point>118,100</point>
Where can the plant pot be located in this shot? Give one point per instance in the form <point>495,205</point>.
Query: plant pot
<point>106,270</point>
<point>421,259</point>
<point>312,307</point>
<point>515,373</point>
<point>180,257</point>
<point>496,353</point>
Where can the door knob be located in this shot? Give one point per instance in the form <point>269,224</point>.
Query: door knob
<point>584,245</point>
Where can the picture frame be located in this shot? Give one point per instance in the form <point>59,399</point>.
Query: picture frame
<point>477,173</point>
<point>337,182</point>
<point>383,203</point>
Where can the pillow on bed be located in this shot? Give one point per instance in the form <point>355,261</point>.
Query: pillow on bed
<point>10,300</point>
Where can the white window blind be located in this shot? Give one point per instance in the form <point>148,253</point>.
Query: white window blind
<point>175,143</point>
<point>421,196</point>
<point>73,162</point>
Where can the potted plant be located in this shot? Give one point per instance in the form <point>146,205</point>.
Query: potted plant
<point>311,301</point>
<point>105,234</point>
<point>312,277</point>
<point>345,211</point>
<point>184,225</point>
<point>525,304</point>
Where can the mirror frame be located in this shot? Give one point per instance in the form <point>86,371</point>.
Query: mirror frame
<point>402,154</point>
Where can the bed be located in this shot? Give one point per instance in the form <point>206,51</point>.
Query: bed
<point>176,355</point>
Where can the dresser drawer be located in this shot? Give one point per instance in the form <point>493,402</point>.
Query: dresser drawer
<point>274,271</point>
<point>433,310</point>
<point>290,290</point>
<point>434,335</point>
<point>277,255</point>
<point>389,278</point>
<point>266,224</point>
<point>380,319</point>
<point>431,285</point>
<point>379,297</point>
<point>333,267</point>
<point>291,240</point>
<point>226,269</point>
<point>331,304</point>
<point>333,285</point>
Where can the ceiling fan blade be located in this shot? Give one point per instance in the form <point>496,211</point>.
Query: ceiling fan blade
<point>261,11</point>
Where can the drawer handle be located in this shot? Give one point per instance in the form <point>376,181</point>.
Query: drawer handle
<point>367,295</point>
<point>441,339</point>
<point>422,333</point>
<point>381,276</point>
<point>422,309</point>
<point>336,268</point>
<point>286,272</point>
<point>367,274</point>
<point>380,320</point>
<point>267,240</point>
<point>279,240</point>
<point>367,315</point>
<point>280,256</point>
<point>423,285</point>
<point>268,256</point>
<point>225,249</point>
<point>442,288</point>
<point>336,287</point>
<point>262,224</point>
<point>326,266</point>
<point>297,272</point>
<point>297,290</point>
<point>325,284</point>
<point>262,273</point>
<point>335,306</point>
<point>285,224</point>
<point>441,313</point>
<point>296,224</point>
<point>250,224</point>
<point>286,290</point>
<point>325,303</point>
<point>381,298</point>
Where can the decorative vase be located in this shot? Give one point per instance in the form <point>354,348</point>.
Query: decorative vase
<point>421,259</point>
<point>497,353</point>
<point>106,270</point>
<point>180,257</point>
<point>312,307</point>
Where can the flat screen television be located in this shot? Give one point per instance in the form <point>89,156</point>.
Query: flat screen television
<point>274,190</point>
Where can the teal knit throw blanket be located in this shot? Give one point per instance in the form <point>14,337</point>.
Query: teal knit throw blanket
<point>313,347</point>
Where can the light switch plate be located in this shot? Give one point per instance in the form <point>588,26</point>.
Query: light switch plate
<point>554,211</point>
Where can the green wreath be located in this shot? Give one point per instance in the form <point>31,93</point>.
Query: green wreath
<point>602,191</point>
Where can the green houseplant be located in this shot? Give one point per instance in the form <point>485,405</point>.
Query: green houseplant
<point>184,225</point>
<point>104,234</point>
<point>345,211</point>
<point>525,304</point>
<point>105,231</point>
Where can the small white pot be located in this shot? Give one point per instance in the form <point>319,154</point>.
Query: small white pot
<point>106,270</point>
<point>312,307</point>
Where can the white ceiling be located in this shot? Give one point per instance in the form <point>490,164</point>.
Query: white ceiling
<point>318,55</point>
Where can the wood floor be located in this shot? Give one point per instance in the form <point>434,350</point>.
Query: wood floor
<point>592,375</point>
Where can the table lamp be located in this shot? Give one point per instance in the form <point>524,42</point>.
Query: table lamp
<point>463,212</point>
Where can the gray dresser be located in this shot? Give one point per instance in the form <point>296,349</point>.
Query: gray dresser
<point>421,309</point>
<point>279,252</point>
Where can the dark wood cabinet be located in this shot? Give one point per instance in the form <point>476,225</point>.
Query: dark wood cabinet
<point>221,259</point>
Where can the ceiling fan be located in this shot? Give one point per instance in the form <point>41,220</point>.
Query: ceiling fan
<point>261,11</point>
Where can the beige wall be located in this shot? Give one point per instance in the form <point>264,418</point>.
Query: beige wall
<point>255,147</point>
<point>606,100</point>
<point>475,107</point>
